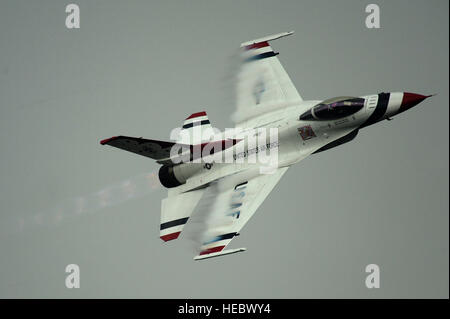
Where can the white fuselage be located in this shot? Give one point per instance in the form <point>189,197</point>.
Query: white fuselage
<point>297,138</point>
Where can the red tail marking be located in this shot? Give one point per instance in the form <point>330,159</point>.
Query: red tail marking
<point>198,114</point>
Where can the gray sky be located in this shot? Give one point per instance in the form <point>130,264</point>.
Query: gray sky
<point>138,68</point>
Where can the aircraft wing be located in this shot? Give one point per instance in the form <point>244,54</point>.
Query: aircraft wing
<point>230,203</point>
<point>262,82</point>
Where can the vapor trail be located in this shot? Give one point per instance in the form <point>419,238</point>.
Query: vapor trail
<point>109,196</point>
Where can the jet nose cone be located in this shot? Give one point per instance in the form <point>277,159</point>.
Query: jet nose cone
<point>410,100</point>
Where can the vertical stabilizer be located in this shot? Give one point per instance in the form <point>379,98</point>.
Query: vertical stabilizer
<point>196,129</point>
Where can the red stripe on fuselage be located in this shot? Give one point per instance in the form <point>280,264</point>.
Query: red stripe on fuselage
<point>213,147</point>
<point>221,145</point>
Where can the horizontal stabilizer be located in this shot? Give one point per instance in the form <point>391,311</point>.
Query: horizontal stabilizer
<point>220,253</point>
<point>161,150</point>
<point>175,212</point>
<point>154,149</point>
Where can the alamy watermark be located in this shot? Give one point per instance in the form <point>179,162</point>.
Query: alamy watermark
<point>373,279</point>
<point>73,17</point>
<point>373,19</point>
<point>73,277</point>
<point>234,145</point>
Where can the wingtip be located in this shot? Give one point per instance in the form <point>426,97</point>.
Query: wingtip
<point>171,236</point>
<point>266,39</point>
<point>106,140</point>
<point>219,253</point>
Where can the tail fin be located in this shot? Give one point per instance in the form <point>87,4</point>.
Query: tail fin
<point>196,129</point>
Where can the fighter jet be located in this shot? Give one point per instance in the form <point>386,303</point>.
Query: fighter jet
<point>219,179</point>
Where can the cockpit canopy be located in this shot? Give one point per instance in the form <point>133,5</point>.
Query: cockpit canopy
<point>333,109</point>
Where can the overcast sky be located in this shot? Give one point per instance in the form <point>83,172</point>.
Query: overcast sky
<point>138,68</point>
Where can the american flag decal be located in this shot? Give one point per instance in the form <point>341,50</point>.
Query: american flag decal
<point>306,132</point>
